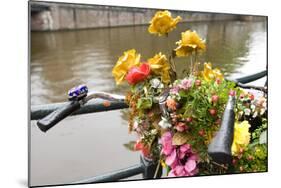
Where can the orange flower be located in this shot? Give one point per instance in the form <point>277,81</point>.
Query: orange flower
<point>171,104</point>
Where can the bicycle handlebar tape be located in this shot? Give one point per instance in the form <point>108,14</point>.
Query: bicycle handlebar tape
<point>56,116</point>
<point>220,147</point>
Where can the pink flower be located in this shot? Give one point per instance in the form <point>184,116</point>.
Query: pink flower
<point>137,74</point>
<point>175,90</point>
<point>186,84</point>
<point>181,159</point>
<point>190,165</point>
<point>171,159</point>
<point>180,126</point>
<point>183,150</point>
<point>189,169</point>
<point>232,93</point>
<point>166,142</point>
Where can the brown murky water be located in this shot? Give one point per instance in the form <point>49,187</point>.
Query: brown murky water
<point>88,145</point>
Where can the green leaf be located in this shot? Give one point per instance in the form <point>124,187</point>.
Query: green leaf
<point>144,103</point>
<point>179,138</point>
<point>130,145</point>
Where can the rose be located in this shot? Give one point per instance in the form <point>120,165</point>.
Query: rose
<point>137,74</point>
<point>190,42</point>
<point>159,65</point>
<point>162,23</point>
<point>129,59</point>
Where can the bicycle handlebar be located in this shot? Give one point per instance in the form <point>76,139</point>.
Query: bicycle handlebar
<point>56,116</point>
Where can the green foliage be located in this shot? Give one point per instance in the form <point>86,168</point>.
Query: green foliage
<point>144,103</point>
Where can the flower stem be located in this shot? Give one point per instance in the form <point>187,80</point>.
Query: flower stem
<point>157,169</point>
<point>195,64</point>
<point>171,60</point>
<point>191,64</point>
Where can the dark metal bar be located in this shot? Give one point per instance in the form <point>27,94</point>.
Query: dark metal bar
<point>220,146</point>
<point>152,169</point>
<point>97,105</point>
<point>250,78</point>
<point>116,175</point>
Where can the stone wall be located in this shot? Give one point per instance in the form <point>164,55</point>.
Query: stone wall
<point>70,16</point>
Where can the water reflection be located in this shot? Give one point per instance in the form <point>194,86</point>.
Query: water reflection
<point>60,60</point>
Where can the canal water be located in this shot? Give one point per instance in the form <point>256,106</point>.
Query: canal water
<point>87,145</point>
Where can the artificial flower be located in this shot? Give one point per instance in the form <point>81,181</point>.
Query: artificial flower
<point>162,23</point>
<point>183,161</point>
<point>241,136</point>
<point>211,74</point>
<point>190,42</point>
<point>159,66</point>
<point>156,83</point>
<point>137,74</point>
<point>143,148</point>
<point>186,83</point>
<point>166,142</point>
<point>180,126</point>
<point>171,104</point>
<point>164,123</point>
<point>129,59</point>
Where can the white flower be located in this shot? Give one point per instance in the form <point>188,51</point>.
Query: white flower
<point>253,107</point>
<point>255,114</point>
<point>247,111</point>
<point>164,123</point>
<point>156,83</point>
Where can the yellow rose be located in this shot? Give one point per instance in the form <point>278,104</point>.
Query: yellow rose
<point>159,65</point>
<point>162,23</point>
<point>190,41</point>
<point>241,137</point>
<point>129,59</point>
<point>211,74</point>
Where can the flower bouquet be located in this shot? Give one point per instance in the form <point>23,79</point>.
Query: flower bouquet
<point>175,119</point>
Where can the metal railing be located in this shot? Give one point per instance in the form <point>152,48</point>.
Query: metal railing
<point>146,167</point>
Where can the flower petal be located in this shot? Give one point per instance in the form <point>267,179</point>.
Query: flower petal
<point>171,158</point>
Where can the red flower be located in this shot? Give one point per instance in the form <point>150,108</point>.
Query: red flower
<point>137,74</point>
<point>144,149</point>
<point>251,96</point>
<point>213,111</point>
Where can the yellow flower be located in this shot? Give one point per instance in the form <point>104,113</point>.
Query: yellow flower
<point>241,137</point>
<point>190,41</point>
<point>129,59</point>
<point>159,65</point>
<point>163,163</point>
<point>162,23</point>
<point>211,74</point>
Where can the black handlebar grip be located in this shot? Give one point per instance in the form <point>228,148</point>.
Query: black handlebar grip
<point>220,147</point>
<point>56,116</point>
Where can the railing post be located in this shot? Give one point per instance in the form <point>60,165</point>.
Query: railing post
<point>150,168</point>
